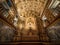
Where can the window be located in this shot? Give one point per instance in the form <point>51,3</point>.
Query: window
<point>55,7</point>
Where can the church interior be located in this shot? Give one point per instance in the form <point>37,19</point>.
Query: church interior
<point>30,21</point>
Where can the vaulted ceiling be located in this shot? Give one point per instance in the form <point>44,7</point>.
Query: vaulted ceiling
<point>30,7</point>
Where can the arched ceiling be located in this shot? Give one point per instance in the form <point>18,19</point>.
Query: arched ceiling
<point>27,7</point>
